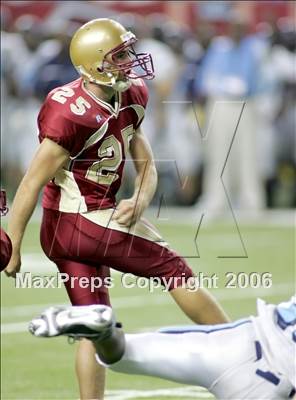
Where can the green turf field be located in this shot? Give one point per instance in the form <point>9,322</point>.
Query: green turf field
<point>44,368</point>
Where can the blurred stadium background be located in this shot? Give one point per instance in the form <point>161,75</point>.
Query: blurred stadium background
<point>217,63</point>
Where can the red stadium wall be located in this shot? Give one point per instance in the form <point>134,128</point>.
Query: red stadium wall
<point>186,12</point>
<point>17,8</point>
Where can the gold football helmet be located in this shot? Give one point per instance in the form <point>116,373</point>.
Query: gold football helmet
<point>102,49</point>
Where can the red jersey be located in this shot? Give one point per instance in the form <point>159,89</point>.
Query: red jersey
<point>97,136</point>
<point>5,249</point>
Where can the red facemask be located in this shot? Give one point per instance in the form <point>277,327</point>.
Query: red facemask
<point>140,61</point>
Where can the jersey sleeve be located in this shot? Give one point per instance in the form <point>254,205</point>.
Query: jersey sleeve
<point>54,125</point>
<point>5,249</point>
<point>137,98</point>
<point>144,94</point>
<point>144,101</point>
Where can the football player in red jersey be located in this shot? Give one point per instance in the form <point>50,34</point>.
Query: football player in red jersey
<point>6,247</point>
<point>86,129</point>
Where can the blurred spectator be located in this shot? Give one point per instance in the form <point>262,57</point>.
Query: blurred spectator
<point>183,132</point>
<point>276,105</point>
<point>18,46</point>
<point>229,80</point>
<point>56,69</point>
<point>194,52</point>
<point>166,70</point>
<point>283,59</point>
<point>190,118</point>
<point>157,117</point>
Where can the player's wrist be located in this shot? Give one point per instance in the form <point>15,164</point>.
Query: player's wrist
<point>142,202</point>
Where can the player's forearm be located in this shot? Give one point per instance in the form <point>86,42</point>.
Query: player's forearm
<point>145,184</point>
<point>22,208</point>
<point>46,162</point>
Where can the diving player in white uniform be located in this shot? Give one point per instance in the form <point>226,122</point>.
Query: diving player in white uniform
<point>253,358</point>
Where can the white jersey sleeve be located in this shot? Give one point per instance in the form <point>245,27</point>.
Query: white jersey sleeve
<point>276,330</point>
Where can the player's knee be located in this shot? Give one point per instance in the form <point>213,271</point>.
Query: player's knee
<point>177,275</point>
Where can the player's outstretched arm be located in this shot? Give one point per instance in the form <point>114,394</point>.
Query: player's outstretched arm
<point>130,210</point>
<point>47,160</point>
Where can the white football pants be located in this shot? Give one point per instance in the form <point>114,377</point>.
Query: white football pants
<point>222,358</point>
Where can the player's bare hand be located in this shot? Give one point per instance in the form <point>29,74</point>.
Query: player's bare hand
<point>128,212</point>
<point>14,265</point>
